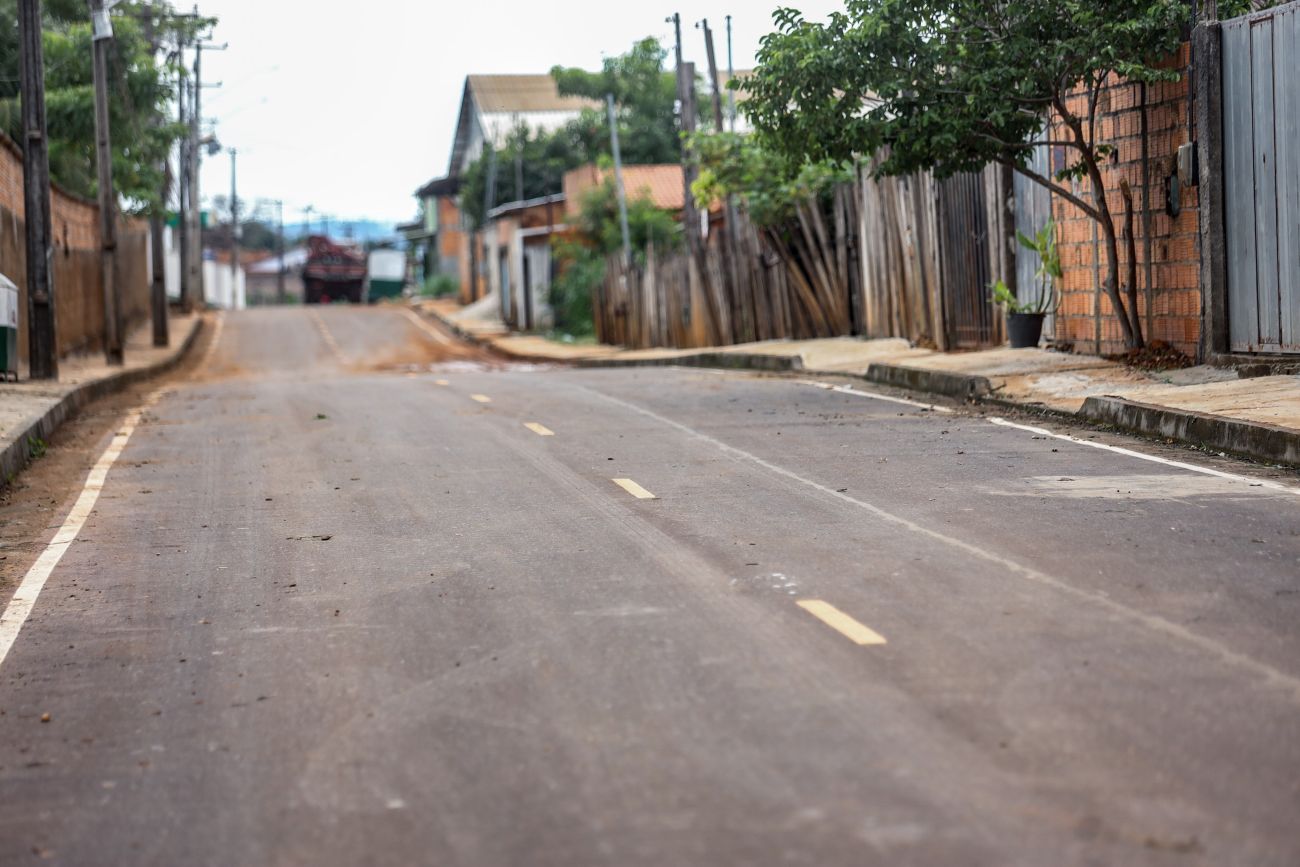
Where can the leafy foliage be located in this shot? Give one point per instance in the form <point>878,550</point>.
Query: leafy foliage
<point>768,183</point>
<point>951,85</point>
<point>582,257</point>
<point>645,97</point>
<point>1043,243</point>
<point>141,91</point>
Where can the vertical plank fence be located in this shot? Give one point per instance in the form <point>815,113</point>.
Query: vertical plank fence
<point>903,257</point>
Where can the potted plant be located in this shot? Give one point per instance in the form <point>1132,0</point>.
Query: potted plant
<point>1025,318</point>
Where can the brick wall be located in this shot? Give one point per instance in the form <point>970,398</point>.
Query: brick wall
<point>78,284</point>
<point>1170,306</point>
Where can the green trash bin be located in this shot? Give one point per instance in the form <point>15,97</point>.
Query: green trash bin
<point>8,329</point>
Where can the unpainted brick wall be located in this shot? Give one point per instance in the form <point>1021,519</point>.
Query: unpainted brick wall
<point>1174,314</point>
<point>78,283</point>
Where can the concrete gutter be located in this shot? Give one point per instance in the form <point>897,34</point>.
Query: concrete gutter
<point>963,386</point>
<point>726,360</point>
<point>1251,439</point>
<point>15,454</point>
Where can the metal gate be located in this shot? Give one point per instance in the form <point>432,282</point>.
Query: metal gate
<point>1261,179</point>
<point>965,273</point>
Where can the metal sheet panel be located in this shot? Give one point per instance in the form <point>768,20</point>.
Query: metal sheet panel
<point>1286,65</point>
<point>1239,185</point>
<point>1261,73</point>
<point>1033,210</point>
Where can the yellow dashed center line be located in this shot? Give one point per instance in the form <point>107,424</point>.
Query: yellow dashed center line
<point>328,338</point>
<point>540,429</point>
<point>841,622</point>
<point>441,382</point>
<point>634,489</point>
<point>481,398</point>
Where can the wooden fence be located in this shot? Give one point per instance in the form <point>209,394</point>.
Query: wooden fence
<point>898,257</point>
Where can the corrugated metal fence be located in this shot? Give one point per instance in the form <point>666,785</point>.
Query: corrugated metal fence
<point>1261,178</point>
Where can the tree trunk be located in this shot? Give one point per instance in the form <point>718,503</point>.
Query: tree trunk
<point>1132,338</point>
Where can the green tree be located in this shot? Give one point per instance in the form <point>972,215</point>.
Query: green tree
<point>951,85</point>
<point>598,235</point>
<point>141,91</point>
<point>645,96</point>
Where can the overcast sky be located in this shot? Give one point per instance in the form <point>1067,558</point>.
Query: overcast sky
<point>350,107</point>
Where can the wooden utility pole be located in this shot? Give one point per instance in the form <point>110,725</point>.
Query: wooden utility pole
<point>102,35</point>
<point>742,323</point>
<point>619,190</point>
<point>686,101</point>
<point>158,259</point>
<point>42,342</point>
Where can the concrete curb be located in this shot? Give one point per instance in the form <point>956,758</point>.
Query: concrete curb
<point>730,360</point>
<point>1257,440</point>
<point>17,453</point>
<point>962,386</point>
<point>483,342</point>
<point>724,360</point>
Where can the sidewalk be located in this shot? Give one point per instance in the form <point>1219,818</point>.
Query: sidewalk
<point>31,411</point>
<point>1207,406</point>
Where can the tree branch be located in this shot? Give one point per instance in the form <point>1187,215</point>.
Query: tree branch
<point>1061,191</point>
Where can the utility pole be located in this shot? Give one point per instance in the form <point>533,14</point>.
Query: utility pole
<point>279,250</point>
<point>196,207</point>
<point>42,342</point>
<point>183,194</point>
<point>619,189</point>
<point>102,33</point>
<point>685,98</point>
<point>196,161</point>
<point>731,73</point>
<point>234,227</point>
<point>158,259</point>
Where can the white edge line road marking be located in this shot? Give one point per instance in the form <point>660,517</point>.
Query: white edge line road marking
<point>540,429</point>
<point>634,489</point>
<point>858,633</point>
<point>428,329</point>
<point>848,389</point>
<point>1154,622</point>
<point>481,398</point>
<point>1259,483</point>
<point>1038,431</point>
<point>24,599</point>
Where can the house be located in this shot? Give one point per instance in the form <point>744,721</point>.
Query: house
<point>435,239</point>
<point>493,106</point>
<point>516,257</point>
<point>262,278</point>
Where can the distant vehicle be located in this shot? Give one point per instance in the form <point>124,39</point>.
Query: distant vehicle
<point>333,272</point>
<point>385,274</point>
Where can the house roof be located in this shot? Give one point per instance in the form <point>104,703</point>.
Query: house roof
<point>439,187</point>
<point>661,183</point>
<point>518,95</point>
<point>508,94</point>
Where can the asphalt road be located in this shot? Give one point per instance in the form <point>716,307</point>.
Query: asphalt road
<point>356,595</point>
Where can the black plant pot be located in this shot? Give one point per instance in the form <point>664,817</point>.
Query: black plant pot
<point>1024,329</point>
